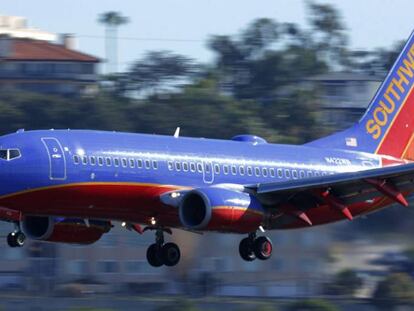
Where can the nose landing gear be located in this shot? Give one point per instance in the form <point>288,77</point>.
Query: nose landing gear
<point>159,254</point>
<point>251,248</point>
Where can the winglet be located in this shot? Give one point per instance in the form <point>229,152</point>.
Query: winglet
<point>177,132</point>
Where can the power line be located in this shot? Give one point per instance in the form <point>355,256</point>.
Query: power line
<point>144,39</point>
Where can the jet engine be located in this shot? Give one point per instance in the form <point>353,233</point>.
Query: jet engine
<point>219,209</point>
<point>64,230</point>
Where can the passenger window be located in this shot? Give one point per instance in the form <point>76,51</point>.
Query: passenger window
<point>178,166</point>
<point>225,169</point>
<point>249,171</point>
<point>108,161</point>
<point>199,167</point>
<point>147,164</point>
<point>84,160</point>
<point>131,163</point>
<point>317,174</point>
<point>154,165</point>
<point>241,170</point>
<point>116,162</point>
<point>324,173</point>
<point>170,165</point>
<point>124,162</point>
<point>287,173</point>
<point>100,161</point>
<point>257,171</point>
<point>92,160</point>
<point>279,173</point>
<point>185,166</point>
<point>192,167</point>
<point>4,154</point>
<point>295,174</point>
<point>139,163</point>
<point>272,172</point>
<point>310,174</point>
<point>302,174</point>
<point>233,170</point>
<point>264,172</point>
<point>75,159</point>
<point>216,169</point>
<point>207,168</point>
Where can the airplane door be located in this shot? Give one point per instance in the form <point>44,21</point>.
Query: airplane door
<point>208,174</point>
<point>57,161</point>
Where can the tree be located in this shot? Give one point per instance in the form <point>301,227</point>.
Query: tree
<point>112,20</point>
<point>312,305</point>
<point>345,282</point>
<point>160,69</point>
<point>394,290</point>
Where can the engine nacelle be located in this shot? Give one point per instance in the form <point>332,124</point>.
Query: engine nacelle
<point>63,230</point>
<point>218,209</point>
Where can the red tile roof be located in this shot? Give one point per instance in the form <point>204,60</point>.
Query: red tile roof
<point>29,49</point>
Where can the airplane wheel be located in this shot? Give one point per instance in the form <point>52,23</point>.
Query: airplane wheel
<point>170,254</point>
<point>154,255</point>
<point>16,239</point>
<point>263,248</point>
<point>246,250</point>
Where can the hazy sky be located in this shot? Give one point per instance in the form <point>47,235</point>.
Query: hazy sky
<point>371,23</point>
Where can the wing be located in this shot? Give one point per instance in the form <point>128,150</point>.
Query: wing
<point>340,192</point>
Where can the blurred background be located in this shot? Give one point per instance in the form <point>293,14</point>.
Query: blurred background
<point>289,71</point>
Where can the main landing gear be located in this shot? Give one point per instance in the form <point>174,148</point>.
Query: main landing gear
<point>254,247</point>
<point>159,254</point>
<point>16,238</point>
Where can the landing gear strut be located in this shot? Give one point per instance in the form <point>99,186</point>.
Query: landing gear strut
<point>254,247</point>
<point>16,238</point>
<point>159,254</point>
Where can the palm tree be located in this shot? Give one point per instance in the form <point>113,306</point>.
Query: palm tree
<point>112,20</point>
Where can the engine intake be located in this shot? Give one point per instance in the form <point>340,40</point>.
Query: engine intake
<point>218,209</point>
<point>63,230</point>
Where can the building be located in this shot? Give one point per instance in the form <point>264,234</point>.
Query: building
<point>344,96</point>
<point>31,60</point>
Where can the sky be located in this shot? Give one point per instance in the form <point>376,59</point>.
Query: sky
<point>183,26</point>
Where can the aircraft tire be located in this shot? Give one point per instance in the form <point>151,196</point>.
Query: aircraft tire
<point>246,250</point>
<point>154,255</point>
<point>263,248</point>
<point>170,254</point>
<point>16,239</point>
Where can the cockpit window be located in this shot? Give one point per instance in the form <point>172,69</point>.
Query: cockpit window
<point>9,154</point>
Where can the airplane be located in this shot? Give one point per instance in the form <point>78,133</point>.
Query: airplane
<point>69,186</point>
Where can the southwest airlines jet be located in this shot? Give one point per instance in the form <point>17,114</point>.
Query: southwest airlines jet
<point>69,185</point>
